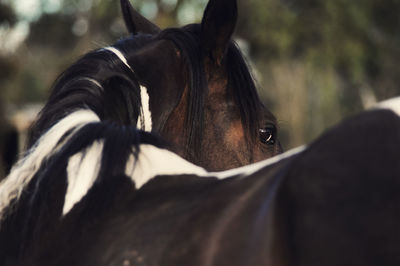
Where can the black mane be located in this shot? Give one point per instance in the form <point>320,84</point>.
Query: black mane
<point>99,81</point>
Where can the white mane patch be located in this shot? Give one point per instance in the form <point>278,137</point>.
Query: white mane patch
<point>119,55</point>
<point>22,173</point>
<point>144,121</point>
<point>391,104</point>
<point>82,170</point>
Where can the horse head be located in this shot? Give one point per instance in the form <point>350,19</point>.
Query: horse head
<point>202,97</point>
<point>190,85</point>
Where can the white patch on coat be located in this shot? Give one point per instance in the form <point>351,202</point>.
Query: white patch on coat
<point>82,170</point>
<point>391,104</point>
<point>22,173</point>
<point>255,167</point>
<point>153,161</point>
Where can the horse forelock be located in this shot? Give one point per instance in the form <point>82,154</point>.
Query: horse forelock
<point>188,43</point>
<point>240,86</point>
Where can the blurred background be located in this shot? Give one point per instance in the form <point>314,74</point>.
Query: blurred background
<point>315,62</point>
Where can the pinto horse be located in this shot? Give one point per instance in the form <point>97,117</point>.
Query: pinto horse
<point>190,86</point>
<point>336,202</point>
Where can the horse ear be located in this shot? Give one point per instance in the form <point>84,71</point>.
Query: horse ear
<point>136,22</point>
<point>217,26</point>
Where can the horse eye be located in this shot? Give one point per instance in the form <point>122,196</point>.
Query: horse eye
<point>267,135</point>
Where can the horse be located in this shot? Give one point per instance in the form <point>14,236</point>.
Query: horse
<point>335,202</point>
<point>191,86</point>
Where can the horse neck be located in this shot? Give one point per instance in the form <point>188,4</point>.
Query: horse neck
<point>245,203</point>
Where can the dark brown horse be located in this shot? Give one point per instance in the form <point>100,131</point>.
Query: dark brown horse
<point>189,85</point>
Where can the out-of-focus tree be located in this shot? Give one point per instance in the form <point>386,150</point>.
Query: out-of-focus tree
<point>7,15</point>
<point>322,60</point>
<point>7,65</point>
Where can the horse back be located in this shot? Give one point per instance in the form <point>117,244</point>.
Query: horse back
<point>339,204</point>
